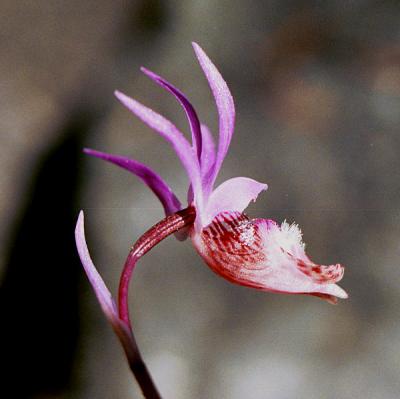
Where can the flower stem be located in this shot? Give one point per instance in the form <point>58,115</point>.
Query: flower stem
<point>143,377</point>
<point>144,244</point>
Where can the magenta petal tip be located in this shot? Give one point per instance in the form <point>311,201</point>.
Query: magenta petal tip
<point>148,72</point>
<point>121,96</point>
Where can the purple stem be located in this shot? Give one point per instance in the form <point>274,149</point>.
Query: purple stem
<point>146,242</point>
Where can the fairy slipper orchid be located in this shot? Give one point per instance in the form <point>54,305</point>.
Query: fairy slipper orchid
<point>256,253</point>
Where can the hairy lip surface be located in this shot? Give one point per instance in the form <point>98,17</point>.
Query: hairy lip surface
<point>260,254</point>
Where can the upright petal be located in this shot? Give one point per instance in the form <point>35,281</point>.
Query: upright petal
<point>167,130</point>
<point>186,105</point>
<point>225,106</point>
<point>208,157</point>
<point>232,195</point>
<point>163,192</point>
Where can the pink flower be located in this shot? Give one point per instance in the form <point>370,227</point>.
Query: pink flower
<point>257,253</point>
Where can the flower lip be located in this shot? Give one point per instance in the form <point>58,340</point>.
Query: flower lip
<point>255,253</point>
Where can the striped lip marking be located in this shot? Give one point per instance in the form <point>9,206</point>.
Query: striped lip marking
<point>232,242</point>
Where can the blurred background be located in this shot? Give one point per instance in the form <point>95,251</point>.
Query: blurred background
<point>317,91</point>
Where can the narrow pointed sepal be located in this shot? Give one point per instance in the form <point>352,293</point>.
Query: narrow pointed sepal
<point>186,105</point>
<point>103,295</point>
<point>169,132</point>
<point>150,178</point>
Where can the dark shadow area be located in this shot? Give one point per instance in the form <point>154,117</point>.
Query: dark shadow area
<point>149,18</point>
<point>39,302</point>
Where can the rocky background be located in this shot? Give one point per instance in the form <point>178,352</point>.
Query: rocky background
<point>317,91</point>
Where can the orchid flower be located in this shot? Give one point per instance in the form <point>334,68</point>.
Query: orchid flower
<point>256,253</point>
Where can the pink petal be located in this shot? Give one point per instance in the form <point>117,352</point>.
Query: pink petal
<point>232,195</point>
<point>207,162</point>
<point>103,295</point>
<point>202,138</point>
<point>187,106</point>
<point>167,130</point>
<point>208,156</point>
<point>163,192</point>
<point>225,106</point>
<point>263,255</point>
